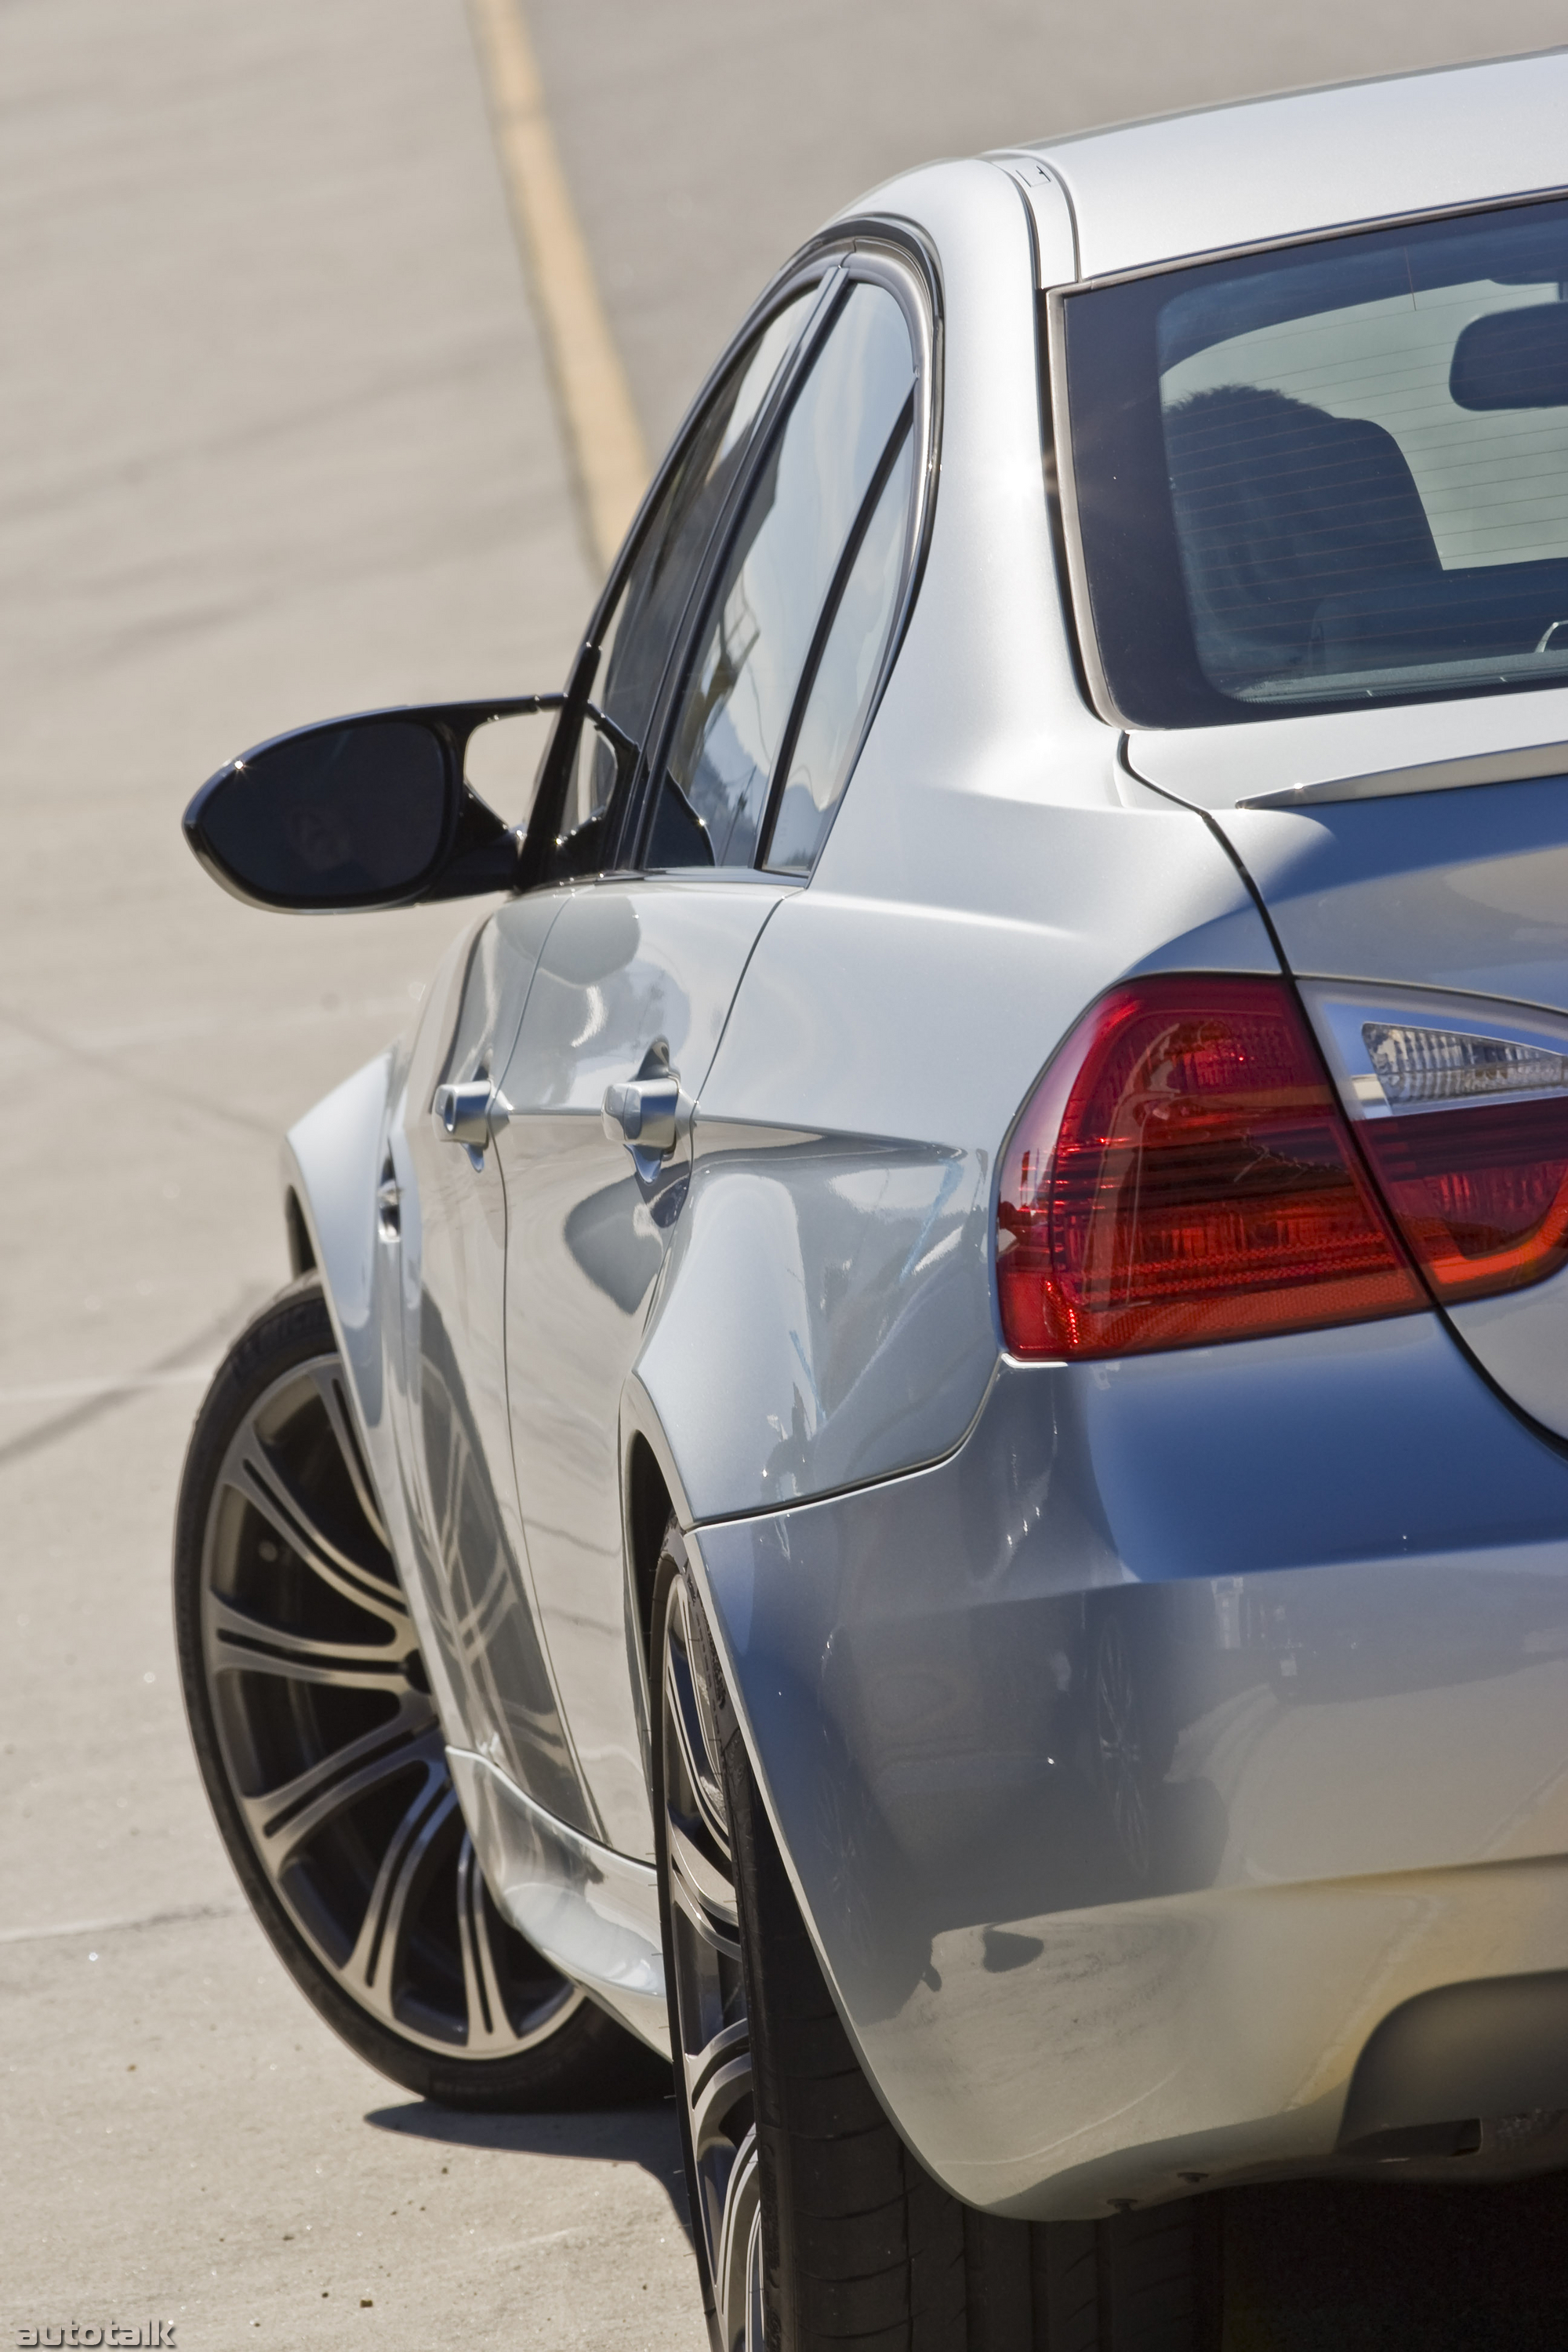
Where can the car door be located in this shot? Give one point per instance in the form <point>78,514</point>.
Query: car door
<point>443,1205</point>
<point>638,973</point>
<point>443,1208</point>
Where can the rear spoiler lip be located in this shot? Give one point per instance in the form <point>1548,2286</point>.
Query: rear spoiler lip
<point>1430,777</point>
<point>1532,760</point>
<point>1293,762</point>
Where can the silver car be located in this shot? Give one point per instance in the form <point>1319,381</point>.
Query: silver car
<point>920,1451</point>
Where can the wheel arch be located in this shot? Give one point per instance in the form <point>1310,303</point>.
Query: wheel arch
<point>652,1494</point>
<point>330,1162</point>
<point>301,1248</point>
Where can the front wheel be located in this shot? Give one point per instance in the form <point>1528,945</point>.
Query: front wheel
<point>816,2228</point>
<point>324,1761</point>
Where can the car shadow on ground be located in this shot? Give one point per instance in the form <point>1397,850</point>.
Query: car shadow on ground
<point>647,2136</point>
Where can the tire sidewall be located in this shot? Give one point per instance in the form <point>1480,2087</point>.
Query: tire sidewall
<point>673,1570</point>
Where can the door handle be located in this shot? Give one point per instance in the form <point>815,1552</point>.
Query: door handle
<point>649,1116</point>
<point>471,1114</point>
<point>644,1112</point>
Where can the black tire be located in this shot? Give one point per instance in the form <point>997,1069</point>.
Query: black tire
<point>855,2244</point>
<point>328,1782</point>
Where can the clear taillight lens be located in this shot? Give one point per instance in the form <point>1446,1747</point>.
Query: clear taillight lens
<point>1466,1128</point>
<point>1184,1173</point>
<point>1415,1066</point>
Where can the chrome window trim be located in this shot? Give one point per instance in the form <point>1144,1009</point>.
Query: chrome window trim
<point>1060,464</point>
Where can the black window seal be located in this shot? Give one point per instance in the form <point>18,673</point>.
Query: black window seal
<point>555,776</point>
<point>893,254</point>
<point>903,425</point>
<point>637,816</point>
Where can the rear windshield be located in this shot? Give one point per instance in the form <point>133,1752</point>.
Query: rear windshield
<point>1330,475</point>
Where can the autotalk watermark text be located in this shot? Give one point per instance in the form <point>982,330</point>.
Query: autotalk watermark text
<point>144,2332</point>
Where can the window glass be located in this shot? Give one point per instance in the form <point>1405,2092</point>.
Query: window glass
<point>636,641</point>
<point>841,691</point>
<point>750,652</point>
<point>1337,475</point>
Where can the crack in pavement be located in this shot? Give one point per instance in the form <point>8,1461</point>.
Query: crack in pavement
<point>184,1911</point>
<point>26,1026</point>
<point>108,1398</point>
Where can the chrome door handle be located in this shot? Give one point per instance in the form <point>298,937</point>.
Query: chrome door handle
<point>471,1114</point>
<point>649,1116</point>
<point>644,1112</point>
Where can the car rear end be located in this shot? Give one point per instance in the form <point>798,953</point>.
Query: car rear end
<point>1175,1772</point>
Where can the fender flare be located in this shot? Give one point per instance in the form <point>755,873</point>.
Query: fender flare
<point>331,1164</point>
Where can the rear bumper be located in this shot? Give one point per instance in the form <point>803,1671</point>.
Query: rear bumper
<point>1134,1763</point>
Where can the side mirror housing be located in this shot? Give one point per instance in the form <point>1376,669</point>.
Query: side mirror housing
<point>367,811</point>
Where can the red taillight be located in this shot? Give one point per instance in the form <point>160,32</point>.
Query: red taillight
<point>1480,1193</point>
<point>1183,1173</point>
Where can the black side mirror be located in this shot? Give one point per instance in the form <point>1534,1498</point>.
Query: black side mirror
<point>370,811</point>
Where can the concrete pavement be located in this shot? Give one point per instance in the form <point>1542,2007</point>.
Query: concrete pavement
<point>275,441</point>
<point>704,142</point>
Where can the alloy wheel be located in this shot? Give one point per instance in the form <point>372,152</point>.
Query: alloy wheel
<point>331,1746</point>
<point>713,2060</point>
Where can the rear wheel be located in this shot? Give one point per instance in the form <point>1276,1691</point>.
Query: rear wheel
<point>816,2228</point>
<point>325,1763</point>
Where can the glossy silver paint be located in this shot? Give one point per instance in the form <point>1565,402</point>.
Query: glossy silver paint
<point>1357,754</point>
<point>1280,167</point>
<point>1522,1340</point>
<point>1122,1801</point>
<point>628,967</point>
<point>592,1912</point>
<point>451,1387</point>
<point>827,1315</point>
<point>1352,1697</point>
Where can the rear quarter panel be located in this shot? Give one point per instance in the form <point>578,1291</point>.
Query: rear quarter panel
<point>826,1315</point>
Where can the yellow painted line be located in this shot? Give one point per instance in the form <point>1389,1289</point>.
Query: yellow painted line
<point>607,448</point>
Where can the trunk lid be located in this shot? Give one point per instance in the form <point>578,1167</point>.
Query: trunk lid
<point>1445,899</point>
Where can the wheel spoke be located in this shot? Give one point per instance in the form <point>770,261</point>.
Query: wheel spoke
<point>327,1380</point>
<point>681,1715</point>
<point>756,2325</point>
<point>705,1891</point>
<point>256,1475</point>
<point>718,1933</point>
<point>287,1818</point>
<point>712,2029</point>
<point>738,2267</point>
<point>488,2020</point>
<point>717,2079</point>
<point>371,1969</point>
<point>358,1828</point>
<point>237,1641</point>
